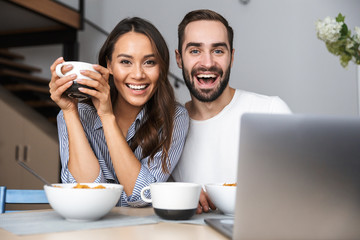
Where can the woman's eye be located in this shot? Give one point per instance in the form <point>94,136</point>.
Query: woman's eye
<point>150,62</point>
<point>125,61</point>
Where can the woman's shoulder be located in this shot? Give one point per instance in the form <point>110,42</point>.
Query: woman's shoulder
<point>181,120</point>
<point>180,110</point>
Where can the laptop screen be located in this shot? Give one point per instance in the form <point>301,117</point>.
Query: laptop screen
<point>298,177</point>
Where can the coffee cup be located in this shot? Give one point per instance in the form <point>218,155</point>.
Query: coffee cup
<point>73,90</point>
<point>173,200</point>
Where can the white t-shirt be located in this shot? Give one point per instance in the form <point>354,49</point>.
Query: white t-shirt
<point>210,153</point>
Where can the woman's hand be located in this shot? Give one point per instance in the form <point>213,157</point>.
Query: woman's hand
<point>59,85</point>
<point>205,203</point>
<point>101,95</point>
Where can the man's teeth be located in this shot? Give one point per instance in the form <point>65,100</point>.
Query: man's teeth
<point>137,87</point>
<point>206,76</point>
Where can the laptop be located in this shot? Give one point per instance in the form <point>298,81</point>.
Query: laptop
<point>298,178</point>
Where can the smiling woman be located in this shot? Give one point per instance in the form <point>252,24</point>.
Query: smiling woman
<point>132,132</point>
<point>134,67</point>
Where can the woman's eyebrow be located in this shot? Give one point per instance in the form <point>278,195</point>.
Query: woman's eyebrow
<point>124,55</point>
<point>129,56</point>
<point>149,55</point>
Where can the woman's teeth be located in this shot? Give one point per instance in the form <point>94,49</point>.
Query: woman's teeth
<point>137,87</point>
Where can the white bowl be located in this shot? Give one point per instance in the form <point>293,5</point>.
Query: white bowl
<point>75,204</point>
<point>222,196</point>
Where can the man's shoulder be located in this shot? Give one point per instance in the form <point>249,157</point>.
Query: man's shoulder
<point>262,102</point>
<point>254,95</point>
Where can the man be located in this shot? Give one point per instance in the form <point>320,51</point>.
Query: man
<point>205,54</point>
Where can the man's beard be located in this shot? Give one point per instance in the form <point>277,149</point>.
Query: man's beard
<point>206,95</point>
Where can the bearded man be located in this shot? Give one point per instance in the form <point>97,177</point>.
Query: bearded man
<point>205,54</point>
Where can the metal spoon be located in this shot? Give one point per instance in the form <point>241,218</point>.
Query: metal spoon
<point>33,172</point>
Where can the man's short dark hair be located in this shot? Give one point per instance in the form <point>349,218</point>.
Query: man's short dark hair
<point>203,14</point>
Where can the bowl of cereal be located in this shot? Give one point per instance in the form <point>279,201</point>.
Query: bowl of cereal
<point>223,195</point>
<point>83,201</point>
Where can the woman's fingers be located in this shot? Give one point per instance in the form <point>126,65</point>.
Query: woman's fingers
<point>64,69</point>
<point>56,93</point>
<point>99,83</point>
<point>103,71</point>
<point>55,84</point>
<point>99,91</point>
<point>57,61</point>
<point>92,83</point>
<point>102,74</point>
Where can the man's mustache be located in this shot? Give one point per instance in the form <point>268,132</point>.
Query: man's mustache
<point>211,69</point>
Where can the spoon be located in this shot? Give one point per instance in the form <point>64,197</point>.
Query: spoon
<point>33,172</point>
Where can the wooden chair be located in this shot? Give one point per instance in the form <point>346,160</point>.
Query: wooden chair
<point>20,196</point>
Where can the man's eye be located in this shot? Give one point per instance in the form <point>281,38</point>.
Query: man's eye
<point>218,51</point>
<point>194,51</point>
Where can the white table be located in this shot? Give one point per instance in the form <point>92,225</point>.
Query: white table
<point>158,231</point>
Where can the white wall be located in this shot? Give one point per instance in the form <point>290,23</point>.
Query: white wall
<point>276,48</point>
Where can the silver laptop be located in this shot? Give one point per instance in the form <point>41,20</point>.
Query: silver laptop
<point>298,178</point>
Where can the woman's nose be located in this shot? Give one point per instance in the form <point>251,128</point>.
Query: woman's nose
<point>138,72</point>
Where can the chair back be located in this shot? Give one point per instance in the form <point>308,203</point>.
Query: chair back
<point>20,196</point>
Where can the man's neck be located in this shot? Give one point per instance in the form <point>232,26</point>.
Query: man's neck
<point>204,110</point>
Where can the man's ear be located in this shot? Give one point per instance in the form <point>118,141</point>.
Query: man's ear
<point>108,65</point>
<point>178,58</point>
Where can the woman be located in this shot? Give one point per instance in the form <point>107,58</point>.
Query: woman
<point>133,132</point>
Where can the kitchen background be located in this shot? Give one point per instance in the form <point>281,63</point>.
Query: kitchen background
<point>277,52</point>
<point>276,48</point>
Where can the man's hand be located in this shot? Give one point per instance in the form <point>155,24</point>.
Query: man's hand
<point>205,203</point>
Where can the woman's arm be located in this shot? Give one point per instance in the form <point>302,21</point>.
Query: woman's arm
<point>130,170</point>
<point>82,163</point>
<point>150,173</point>
<point>125,163</point>
<point>80,159</point>
<point>66,175</point>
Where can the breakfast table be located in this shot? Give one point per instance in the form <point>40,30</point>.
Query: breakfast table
<point>120,223</point>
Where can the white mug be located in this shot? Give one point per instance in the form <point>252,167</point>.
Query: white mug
<point>73,91</point>
<point>173,200</point>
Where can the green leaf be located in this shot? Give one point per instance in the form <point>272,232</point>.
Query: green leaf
<point>344,30</point>
<point>340,18</point>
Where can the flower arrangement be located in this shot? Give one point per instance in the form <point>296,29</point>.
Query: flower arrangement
<point>338,39</point>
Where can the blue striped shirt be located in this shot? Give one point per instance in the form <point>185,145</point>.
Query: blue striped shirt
<point>148,173</point>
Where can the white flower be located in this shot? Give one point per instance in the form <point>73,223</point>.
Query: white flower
<point>328,30</point>
<point>338,39</point>
<point>357,35</point>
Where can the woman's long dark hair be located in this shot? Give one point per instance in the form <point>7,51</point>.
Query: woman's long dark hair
<point>155,133</point>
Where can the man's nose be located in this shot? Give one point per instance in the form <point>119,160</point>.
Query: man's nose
<point>207,60</point>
